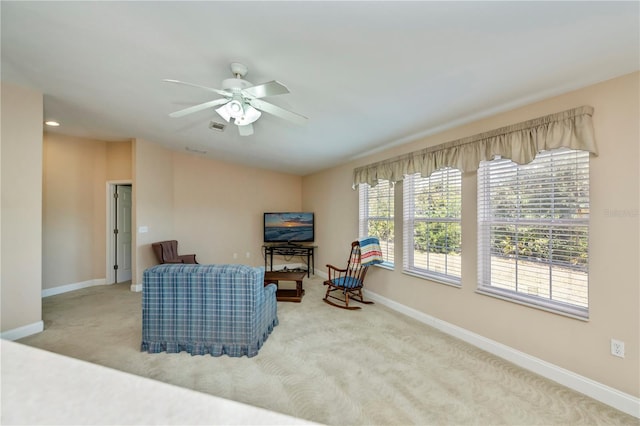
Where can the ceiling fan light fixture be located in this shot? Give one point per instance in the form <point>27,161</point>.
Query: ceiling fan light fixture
<point>222,111</point>
<point>250,115</point>
<point>234,108</point>
<point>241,101</point>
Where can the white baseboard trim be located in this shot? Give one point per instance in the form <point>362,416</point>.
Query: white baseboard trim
<point>622,401</point>
<point>74,286</point>
<point>24,331</point>
<point>136,288</point>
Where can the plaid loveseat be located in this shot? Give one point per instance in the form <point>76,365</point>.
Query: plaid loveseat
<point>207,309</point>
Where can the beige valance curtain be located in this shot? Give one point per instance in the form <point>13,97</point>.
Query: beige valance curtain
<point>519,142</point>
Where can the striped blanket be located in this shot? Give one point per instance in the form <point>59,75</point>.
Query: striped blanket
<point>370,252</point>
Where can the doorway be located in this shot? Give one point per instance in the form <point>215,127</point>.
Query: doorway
<point>119,232</point>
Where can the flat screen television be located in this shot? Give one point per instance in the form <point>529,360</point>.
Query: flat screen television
<point>289,227</point>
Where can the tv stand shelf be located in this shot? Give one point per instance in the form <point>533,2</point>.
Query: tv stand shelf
<point>289,250</point>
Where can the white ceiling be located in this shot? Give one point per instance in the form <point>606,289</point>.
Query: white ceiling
<point>367,74</point>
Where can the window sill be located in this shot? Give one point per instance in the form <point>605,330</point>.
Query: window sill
<point>385,265</point>
<point>438,279</point>
<point>581,314</point>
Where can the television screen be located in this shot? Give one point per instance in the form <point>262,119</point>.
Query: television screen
<point>290,227</point>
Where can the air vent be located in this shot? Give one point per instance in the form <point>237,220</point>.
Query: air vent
<point>197,151</point>
<point>217,126</point>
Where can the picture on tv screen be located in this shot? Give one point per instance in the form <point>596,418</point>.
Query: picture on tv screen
<point>296,227</point>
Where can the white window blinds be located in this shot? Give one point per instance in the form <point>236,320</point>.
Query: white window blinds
<point>533,230</point>
<point>431,225</point>
<point>376,216</point>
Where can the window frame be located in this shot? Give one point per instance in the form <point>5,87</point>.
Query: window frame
<point>487,219</point>
<point>411,184</point>
<point>364,217</point>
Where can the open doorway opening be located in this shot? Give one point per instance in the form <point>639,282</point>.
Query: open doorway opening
<point>119,232</point>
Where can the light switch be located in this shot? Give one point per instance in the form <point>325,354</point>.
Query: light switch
<point>143,229</point>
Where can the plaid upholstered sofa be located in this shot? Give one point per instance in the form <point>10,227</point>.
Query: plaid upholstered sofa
<point>207,309</point>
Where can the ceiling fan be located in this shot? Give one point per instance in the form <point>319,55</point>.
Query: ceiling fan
<point>242,101</point>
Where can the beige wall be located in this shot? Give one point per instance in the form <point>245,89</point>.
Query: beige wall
<point>21,207</point>
<point>75,206</point>
<point>213,209</point>
<point>219,207</point>
<point>119,161</point>
<point>335,206</point>
<point>153,202</point>
<point>614,294</point>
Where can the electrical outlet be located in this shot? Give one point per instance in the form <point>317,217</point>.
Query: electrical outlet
<point>617,348</point>
<point>235,255</point>
<point>248,254</point>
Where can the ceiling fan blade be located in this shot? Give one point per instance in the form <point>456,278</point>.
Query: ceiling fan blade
<point>271,88</point>
<point>198,107</point>
<point>246,130</point>
<point>210,89</point>
<point>277,111</point>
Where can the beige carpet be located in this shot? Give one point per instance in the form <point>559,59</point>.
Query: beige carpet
<point>368,367</point>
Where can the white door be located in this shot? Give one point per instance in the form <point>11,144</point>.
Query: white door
<point>123,234</point>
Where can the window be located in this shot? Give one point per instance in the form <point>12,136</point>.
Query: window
<point>533,230</point>
<point>376,216</point>
<point>432,235</point>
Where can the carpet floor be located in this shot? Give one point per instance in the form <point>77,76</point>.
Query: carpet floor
<point>373,366</point>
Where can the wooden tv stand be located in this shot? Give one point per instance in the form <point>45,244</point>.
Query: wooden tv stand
<point>286,295</point>
<point>303,251</point>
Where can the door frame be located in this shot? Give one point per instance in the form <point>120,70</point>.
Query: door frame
<point>111,223</point>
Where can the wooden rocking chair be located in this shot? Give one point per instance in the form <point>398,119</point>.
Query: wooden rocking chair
<point>348,281</point>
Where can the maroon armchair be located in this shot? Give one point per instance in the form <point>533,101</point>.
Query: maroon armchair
<point>167,252</point>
